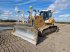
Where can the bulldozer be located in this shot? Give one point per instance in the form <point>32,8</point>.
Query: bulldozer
<point>37,26</point>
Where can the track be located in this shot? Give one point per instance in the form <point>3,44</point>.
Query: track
<point>49,30</point>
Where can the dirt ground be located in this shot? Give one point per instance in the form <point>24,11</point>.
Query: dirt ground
<point>55,42</point>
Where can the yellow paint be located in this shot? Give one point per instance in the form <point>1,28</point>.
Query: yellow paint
<point>51,21</point>
<point>39,22</point>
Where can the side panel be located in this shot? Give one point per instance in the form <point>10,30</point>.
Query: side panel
<point>39,22</point>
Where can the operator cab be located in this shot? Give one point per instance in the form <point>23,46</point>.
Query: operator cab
<point>46,14</point>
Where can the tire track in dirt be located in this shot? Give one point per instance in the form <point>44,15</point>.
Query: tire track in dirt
<point>11,43</point>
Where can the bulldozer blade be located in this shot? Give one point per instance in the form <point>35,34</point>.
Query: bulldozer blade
<point>29,34</point>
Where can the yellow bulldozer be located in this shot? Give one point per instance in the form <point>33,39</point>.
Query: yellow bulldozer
<point>37,26</point>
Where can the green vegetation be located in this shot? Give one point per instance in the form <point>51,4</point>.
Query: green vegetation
<point>8,20</point>
<point>63,22</point>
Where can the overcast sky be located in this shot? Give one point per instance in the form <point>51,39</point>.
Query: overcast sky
<point>61,8</point>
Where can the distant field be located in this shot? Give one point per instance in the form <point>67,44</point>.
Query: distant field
<point>9,23</point>
<point>14,23</point>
